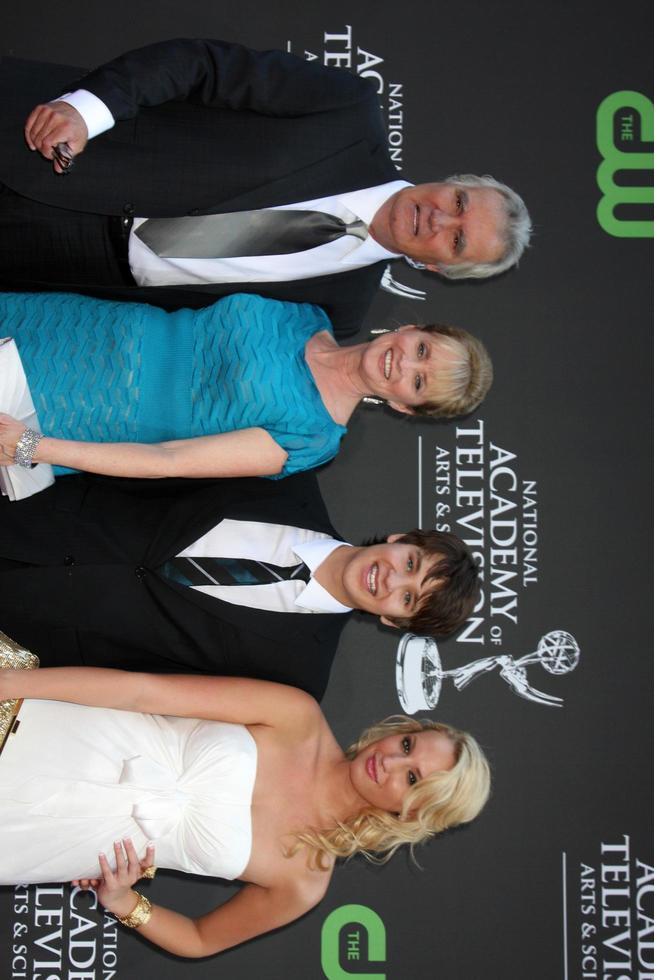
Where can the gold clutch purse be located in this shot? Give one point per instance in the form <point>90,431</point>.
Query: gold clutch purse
<point>12,656</point>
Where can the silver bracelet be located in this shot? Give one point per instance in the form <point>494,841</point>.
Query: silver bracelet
<point>26,447</point>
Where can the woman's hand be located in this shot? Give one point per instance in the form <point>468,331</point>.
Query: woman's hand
<point>86,883</point>
<point>10,432</point>
<point>115,887</point>
<point>245,452</point>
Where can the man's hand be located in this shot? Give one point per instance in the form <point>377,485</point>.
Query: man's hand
<point>56,122</point>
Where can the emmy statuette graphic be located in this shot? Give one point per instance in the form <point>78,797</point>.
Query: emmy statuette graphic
<point>419,674</point>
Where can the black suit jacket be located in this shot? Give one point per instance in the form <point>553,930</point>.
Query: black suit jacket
<point>209,127</point>
<point>79,580</point>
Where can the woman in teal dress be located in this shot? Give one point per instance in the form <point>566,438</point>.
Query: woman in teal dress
<point>246,387</point>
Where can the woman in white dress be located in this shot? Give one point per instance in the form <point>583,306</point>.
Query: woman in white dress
<point>264,794</point>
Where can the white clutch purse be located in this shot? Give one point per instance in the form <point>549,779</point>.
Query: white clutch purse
<point>17,482</point>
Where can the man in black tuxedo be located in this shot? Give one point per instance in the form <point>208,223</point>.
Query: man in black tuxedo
<point>204,128</point>
<point>125,574</point>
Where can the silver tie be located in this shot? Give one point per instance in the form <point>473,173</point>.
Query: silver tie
<point>219,236</point>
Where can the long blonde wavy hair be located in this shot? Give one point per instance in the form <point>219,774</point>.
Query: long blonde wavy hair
<point>435,803</point>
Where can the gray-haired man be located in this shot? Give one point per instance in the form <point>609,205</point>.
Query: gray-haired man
<point>188,129</point>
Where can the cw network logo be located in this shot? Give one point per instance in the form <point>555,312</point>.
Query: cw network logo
<point>632,107</point>
<point>364,939</point>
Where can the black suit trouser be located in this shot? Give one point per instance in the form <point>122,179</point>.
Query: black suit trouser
<point>39,242</point>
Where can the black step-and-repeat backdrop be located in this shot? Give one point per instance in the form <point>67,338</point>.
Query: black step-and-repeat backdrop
<point>550,483</point>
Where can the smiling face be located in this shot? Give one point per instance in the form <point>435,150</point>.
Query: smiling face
<point>407,367</point>
<point>442,224</point>
<point>386,770</point>
<point>387,580</point>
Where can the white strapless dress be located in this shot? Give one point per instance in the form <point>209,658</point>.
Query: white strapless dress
<point>75,779</point>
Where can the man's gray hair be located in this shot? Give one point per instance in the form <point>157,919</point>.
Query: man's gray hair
<point>516,231</point>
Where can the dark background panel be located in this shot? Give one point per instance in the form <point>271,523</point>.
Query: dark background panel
<point>512,90</point>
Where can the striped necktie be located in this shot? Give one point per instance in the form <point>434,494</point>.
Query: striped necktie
<point>231,571</point>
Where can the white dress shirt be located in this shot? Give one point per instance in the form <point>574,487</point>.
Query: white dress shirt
<point>341,255</point>
<point>280,544</point>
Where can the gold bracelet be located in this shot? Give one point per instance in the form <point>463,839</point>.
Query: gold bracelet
<point>149,872</point>
<point>140,914</point>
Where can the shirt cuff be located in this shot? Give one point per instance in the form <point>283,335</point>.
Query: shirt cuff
<point>93,111</point>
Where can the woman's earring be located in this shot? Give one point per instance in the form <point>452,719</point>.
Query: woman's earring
<point>377,330</point>
<point>369,400</point>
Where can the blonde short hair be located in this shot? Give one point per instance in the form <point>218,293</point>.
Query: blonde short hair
<point>463,385</point>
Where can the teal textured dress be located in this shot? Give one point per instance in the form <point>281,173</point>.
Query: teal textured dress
<point>127,372</point>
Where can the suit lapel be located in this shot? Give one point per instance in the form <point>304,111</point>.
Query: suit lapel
<point>282,627</point>
<point>349,169</point>
<point>296,502</point>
